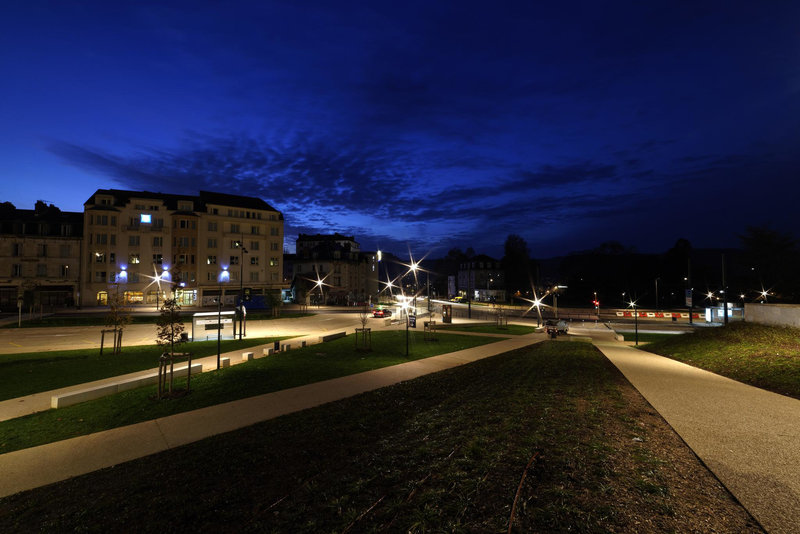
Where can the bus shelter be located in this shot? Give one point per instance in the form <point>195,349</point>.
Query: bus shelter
<point>211,325</point>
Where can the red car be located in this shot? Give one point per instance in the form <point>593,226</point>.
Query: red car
<point>382,313</point>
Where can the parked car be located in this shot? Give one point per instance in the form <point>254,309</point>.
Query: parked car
<point>555,327</point>
<point>383,312</point>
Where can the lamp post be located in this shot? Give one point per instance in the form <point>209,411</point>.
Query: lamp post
<point>219,327</point>
<point>242,252</point>
<point>635,322</point>
<point>657,279</point>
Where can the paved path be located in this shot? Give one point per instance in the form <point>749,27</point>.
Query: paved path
<point>46,464</point>
<point>748,437</point>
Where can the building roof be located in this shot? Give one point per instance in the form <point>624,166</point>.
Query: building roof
<point>122,197</point>
<point>325,237</point>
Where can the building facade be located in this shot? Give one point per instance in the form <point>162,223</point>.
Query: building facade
<point>350,276</point>
<point>481,278</point>
<point>145,246</point>
<point>40,251</point>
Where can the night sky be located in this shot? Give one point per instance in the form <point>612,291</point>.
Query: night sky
<point>427,124</point>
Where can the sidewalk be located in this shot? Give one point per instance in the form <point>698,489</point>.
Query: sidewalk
<point>46,464</point>
<point>749,438</point>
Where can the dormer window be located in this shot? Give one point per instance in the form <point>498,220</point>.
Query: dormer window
<point>185,205</point>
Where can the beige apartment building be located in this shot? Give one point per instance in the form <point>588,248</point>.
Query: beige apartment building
<point>40,252</point>
<point>147,246</point>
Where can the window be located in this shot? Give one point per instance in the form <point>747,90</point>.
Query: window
<point>133,277</point>
<point>253,260</point>
<point>99,257</point>
<point>185,206</point>
<point>66,229</point>
<point>133,240</point>
<point>158,241</point>
<point>180,242</point>
<point>65,271</point>
<point>274,277</point>
<point>183,223</point>
<point>273,231</point>
<point>254,230</point>
<point>234,260</point>
<point>113,220</point>
<point>113,239</point>
<point>112,258</point>
<point>99,276</point>
<point>254,276</point>
<point>273,262</point>
<point>253,245</point>
<point>212,226</point>
<point>133,258</point>
<point>234,228</point>
<point>181,258</point>
<point>158,259</point>
<point>63,251</point>
<point>211,260</point>
<point>16,269</point>
<point>102,239</point>
<point>212,243</point>
<point>273,246</point>
<point>16,249</point>
<point>41,269</point>
<point>337,280</point>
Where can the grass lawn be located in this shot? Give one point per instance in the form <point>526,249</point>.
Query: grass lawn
<point>442,453</point>
<point>280,371</point>
<point>510,330</point>
<point>763,356</point>
<point>34,372</point>
<point>78,320</point>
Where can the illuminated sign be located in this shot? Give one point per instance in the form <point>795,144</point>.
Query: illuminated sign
<point>145,218</point>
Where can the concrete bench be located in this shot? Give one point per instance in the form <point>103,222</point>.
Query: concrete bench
<point>331,337</point>
<point>247,356</point>
<point>223,363</point>
<point>269,352</point>
<point>286,347</point>
<point>82,395</point>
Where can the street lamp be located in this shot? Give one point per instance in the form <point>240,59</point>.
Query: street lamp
<point>635,321</point>
<point>242,252</point>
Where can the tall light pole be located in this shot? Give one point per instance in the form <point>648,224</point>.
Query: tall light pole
<point>242,252</point>
<point>657,279</point>
<point>635,321</point>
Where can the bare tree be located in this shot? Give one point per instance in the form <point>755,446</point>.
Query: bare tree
<point>117,318</point>
<point>170,326</point>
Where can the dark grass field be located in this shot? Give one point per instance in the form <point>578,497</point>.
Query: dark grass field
<point>443,453</point>
<point>760,355</point>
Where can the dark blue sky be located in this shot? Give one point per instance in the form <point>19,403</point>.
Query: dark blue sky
<point>421,124</point>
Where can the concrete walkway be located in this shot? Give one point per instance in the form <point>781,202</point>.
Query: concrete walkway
<point>748,437</point>
<point>46,464</point>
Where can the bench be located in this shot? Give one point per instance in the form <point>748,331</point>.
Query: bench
<point>247,356</point>
<point>82,395</point>
<point>331,337</point>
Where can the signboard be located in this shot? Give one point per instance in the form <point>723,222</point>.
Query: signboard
<point>689,297</point>
<point>412,321</point>
<point>225,320</point>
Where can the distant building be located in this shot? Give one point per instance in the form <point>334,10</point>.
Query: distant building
<point>40,251</point>
<point>350,275</point>
<point>203,247</point>
<point>482,278</point>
